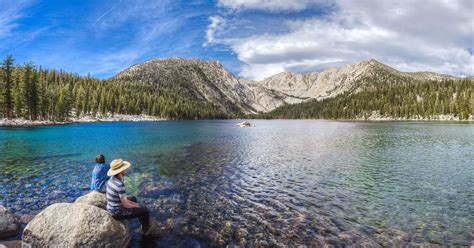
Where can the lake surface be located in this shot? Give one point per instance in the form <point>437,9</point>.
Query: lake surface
<point>278,183</point>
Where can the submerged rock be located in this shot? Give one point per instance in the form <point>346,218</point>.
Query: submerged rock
<point>93,198</point>
<point>75,225</point>
<point>9,225</point>
<point>25,219</point>
<point>157,189</point>
<point>157,230</point>
<point>241,233</point>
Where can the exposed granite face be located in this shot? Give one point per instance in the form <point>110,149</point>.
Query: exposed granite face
<point>93,198</point>
<point>75,225</point>
<point>210,82</point>
<point>9,225</point>
<point>206,81</point>
<point>287,87</point>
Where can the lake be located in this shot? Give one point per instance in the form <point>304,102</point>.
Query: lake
<point>281,182</point>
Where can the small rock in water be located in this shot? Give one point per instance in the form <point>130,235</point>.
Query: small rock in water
<point>170,223</point>
<point>226,231</point>
<point>157,230</point>
<point>221,242</point>
<point>159,188</point>
<point>26,218</point>
<point>242,233</point>
<point>9,225</point>
<point>261,244</point>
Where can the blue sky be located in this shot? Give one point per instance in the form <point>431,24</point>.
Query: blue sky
<point>252,38</point>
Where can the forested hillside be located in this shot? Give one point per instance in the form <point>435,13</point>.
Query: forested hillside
<point>394,99</point>
<point>29,92</point>
<point>196,89</point>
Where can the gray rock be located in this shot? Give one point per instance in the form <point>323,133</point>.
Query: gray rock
<point>157,230</point>
<point>11,244</point>
<point>241,233</point>
<point>75,225</point>
<point>9,225</point>
<point>25,219</point>
<point>93,198</point>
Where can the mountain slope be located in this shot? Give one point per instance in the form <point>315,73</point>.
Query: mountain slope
<point>449,99</point>
<point>290,88</point>
<point>199,80</point>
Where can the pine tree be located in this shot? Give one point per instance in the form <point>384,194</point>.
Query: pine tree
<point>7,68</point>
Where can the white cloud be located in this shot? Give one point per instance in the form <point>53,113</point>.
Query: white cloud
<point>10,13</point>
<point>216,25</point>
<point>269,5</point>
<point>409,35</point>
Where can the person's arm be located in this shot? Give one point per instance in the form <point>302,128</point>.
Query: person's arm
<point>126,203</point>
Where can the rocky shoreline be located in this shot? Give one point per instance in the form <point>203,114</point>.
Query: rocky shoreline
<point>20,122</point>
<point>378,117</point>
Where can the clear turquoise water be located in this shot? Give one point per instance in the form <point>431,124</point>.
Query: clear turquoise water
<point>285,182</point>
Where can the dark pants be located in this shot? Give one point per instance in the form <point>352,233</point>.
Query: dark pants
<point>142,213</point>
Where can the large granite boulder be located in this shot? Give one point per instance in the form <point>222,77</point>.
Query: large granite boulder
<point>75,225</point>
<point>9,225</point>
<point>93,198</point>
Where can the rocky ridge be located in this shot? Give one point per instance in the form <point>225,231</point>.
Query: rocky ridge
<point>206,81</point>
<point>209,81</point>
<point>290,88</point>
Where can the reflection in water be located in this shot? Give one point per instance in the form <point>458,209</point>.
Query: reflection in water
<point>279,183</point>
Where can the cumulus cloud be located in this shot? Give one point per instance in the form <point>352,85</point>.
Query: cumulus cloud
<point>409,35</point>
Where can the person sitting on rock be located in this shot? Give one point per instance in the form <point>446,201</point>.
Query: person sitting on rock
<point>99,174</point>
<point>122,207</point>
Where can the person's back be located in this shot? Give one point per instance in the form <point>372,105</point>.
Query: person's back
<point>115,191</point>
<point>99,174</point>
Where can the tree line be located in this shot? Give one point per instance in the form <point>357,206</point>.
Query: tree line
<point>34,93</point>
<point>395,99</point>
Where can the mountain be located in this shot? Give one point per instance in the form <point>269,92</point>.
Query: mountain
<point>210,82</point>
<point>290,88</point>
<point>200,80</point>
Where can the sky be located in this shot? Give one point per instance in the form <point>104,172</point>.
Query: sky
<point>253,39</point>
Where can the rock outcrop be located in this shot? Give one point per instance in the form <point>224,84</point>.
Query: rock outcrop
<point>75,225</point>
<point>9,225</point>
<point>93,198</point>
<point>200,80</point>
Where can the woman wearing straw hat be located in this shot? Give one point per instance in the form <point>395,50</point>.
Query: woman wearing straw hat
<point>118,204</point>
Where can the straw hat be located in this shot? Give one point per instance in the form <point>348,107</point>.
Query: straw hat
<point>117,166</point>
